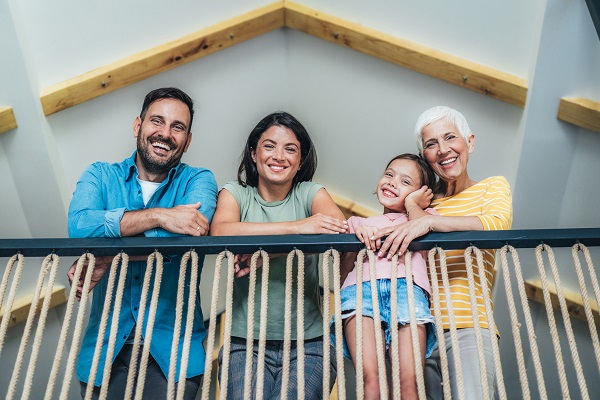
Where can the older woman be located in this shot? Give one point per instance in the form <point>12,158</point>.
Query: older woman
<point>274,195</point>
<point>445,141</point>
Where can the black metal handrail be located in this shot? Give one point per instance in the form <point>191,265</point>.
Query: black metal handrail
<point>529,238</point>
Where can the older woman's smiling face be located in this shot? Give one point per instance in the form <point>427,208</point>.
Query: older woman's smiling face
<point>446,150</point>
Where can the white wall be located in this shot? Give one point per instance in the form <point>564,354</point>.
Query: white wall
<point>360,110</point>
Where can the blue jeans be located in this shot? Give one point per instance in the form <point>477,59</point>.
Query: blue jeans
<point>424,317</point>
<point>313,369</point>
<point>155,386</point>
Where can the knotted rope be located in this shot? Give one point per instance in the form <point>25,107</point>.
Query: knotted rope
<point>189,323</point>
<point>476,323</point>
<point>339,349</point>
<point>106,312</point>
<point>396,383</point>
<point>567,322</point>
<point>228,323</point>
<point>379,345</point>
<point>584,296</point>
<point>63,333</point>
<point>487,300</point>
<point>433,276</point>
<point>178,321</point>
<point>212,327</point>
<point>176,327</point>
<point>262,340</point>
<point>300,325</point>
<point>287,331</point>
<point>11,295</point>
<point>413,325</point>
<point>91,262</point>
<point>287,324</point>
<point>250,325</point>
<point>515,324</point>
<point>40,328</point>
<point>133,367</point>
<point>551,321</point>
<point>139,390</point>
<point>360,385</point>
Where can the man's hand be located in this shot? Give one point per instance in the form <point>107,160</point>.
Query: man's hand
<point>184,219</point>
<point>102,265</point>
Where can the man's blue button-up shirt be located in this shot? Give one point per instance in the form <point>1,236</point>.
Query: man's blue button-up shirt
<point>103,194</point>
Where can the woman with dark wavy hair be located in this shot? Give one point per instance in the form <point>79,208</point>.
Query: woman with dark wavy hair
<point>274,195</point>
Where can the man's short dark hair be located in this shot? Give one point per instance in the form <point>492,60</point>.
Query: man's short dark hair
<point>168,93</point>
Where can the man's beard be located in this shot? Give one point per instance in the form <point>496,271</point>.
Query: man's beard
<point>152,164</point>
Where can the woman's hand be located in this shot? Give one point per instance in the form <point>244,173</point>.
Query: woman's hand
<point>400,236</point>
<point>366,235</point>
<point>241,266</point>
<point>321,223</point>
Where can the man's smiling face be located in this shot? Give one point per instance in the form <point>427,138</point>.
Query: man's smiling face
<point>162,138</point>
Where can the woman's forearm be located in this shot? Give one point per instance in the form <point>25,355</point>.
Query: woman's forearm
<point>440,223</point>
<point>254,228</point>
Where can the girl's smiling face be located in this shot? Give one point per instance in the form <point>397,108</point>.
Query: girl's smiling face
<point>399,180</point>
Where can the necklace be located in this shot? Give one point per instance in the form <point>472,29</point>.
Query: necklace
<point>396,216</point>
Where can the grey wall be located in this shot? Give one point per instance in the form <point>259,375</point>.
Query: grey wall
<point>359,110</point>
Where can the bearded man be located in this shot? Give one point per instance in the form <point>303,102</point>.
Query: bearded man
<point>151,194</point>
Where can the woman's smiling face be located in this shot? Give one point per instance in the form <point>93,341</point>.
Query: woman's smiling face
<point>277,156</point>
<point>446,150</point>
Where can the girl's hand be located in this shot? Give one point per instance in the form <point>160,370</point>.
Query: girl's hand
<point>400,236</point>
<point>420,198</point>
<point>366,234</point>
<point>320,223</point>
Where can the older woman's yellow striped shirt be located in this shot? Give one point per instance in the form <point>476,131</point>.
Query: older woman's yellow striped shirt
<point>491,201</point>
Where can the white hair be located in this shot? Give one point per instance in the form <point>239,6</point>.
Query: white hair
<point>437,113</point>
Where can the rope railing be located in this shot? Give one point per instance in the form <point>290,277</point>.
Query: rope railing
<point>572,384</point>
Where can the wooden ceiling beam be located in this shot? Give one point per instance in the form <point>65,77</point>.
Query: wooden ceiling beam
<point>7,119</point>
<point>162,58</point>
<point>584,113</point>
<point>479,78</point>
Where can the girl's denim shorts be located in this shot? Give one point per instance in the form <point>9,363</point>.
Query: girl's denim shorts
<point>423,313</point>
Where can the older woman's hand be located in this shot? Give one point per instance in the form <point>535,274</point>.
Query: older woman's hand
<point>400,236</point>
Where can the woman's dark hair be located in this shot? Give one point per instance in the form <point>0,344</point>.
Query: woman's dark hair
<point>247,172</point>
<point>426,174</point>
<point>168,93</point>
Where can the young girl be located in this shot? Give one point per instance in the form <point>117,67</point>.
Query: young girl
<point>405,184</point>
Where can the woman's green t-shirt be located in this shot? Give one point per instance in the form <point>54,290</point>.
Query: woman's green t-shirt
<point>297,205</point>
